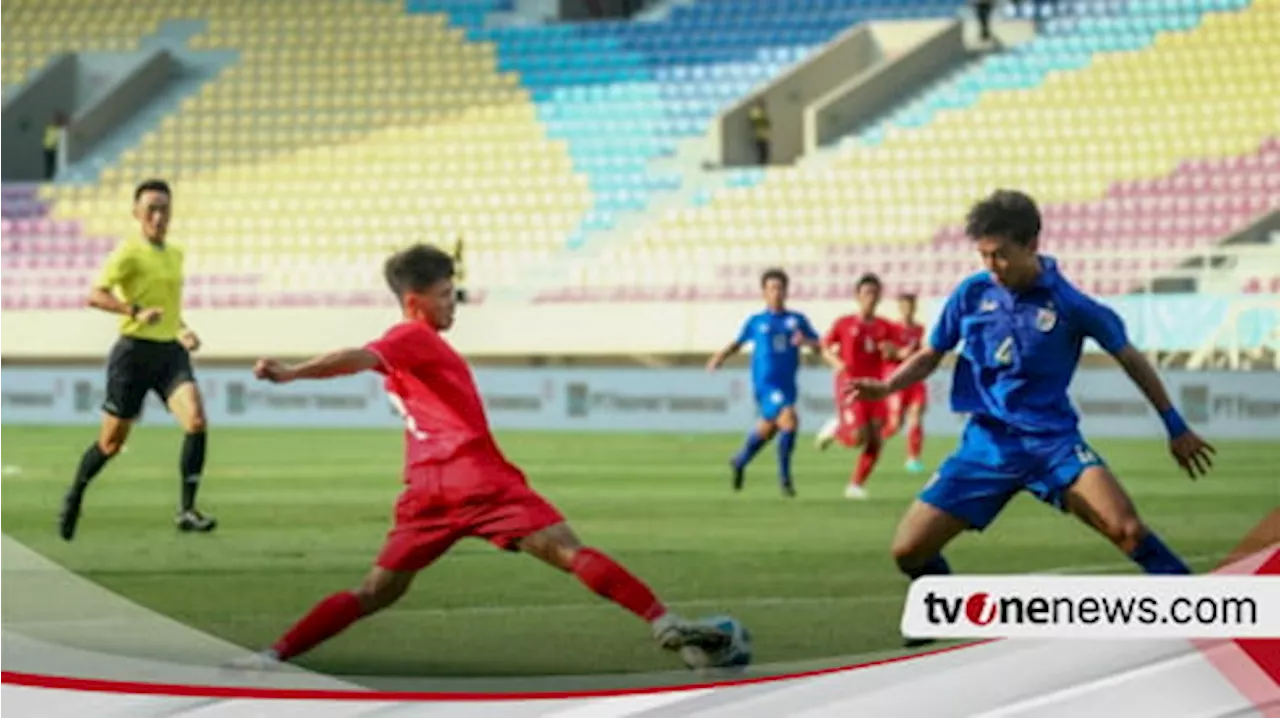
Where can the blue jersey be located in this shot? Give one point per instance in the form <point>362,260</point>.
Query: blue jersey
<point>1021,349</point>
<point>775,356</point>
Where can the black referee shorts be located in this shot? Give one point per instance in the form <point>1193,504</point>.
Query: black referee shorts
<point>138,366</point>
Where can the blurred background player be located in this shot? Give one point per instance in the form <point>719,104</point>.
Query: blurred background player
<point>857,344</point>
<point>909,405</point>
<point>1023,326</point>
<point>142,282</point>
<point>458,484</point>
<point>777,334</point>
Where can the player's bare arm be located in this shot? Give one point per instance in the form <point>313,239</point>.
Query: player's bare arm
<point>337,363</point>
<point>917,368</point>
<point>831,355</point>
<point>104,299</point>
<point>188,338</point>
<point>1192,453</point>
<point>719,357</point>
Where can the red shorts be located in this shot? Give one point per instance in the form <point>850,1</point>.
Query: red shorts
<point>859,413</point>
<point>915,395</point>
<point>478,494</point>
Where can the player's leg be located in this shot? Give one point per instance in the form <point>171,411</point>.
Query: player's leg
<point>1080,481</point>
<point>424,531</point>
<point>335,613</point>
<point>896,406</point>
<point>558,546</point>
<point>915,432</point>
<point>122,404</point>
<point>770,403</point>
<point>830,430</point>
<point>870,416</point>
<point>187,405</point>
<point>788,424</point>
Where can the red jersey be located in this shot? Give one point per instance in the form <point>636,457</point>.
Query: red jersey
<point>858,342</point>
<point>909,338</point>
<point>432,387</point>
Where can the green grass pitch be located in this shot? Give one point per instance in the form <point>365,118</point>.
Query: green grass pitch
<point>303,513</point>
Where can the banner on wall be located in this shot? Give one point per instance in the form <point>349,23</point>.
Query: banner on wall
<point>1221,404</point>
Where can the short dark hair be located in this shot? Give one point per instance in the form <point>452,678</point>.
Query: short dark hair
<point>869,278</point>
<point>774,273</point>
<point>151,185</point>
<point>1008,214</point>
<point>416,268</point>
<point>908,295</point>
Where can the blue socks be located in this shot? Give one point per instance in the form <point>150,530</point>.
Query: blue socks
<point>936,566</point>
<point>749,450</point>
<point>786,447</point>
<point>1154,557</point>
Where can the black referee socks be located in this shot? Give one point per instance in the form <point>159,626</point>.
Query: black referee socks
<point>191,467</point>
<point>90,464</point>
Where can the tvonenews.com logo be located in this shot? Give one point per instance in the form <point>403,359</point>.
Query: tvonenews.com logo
<point>1093,606</point>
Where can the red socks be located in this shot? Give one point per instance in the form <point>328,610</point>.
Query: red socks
<point>610,580</point>
<point>915,441</point>
<point>866,462</point>
<point>326,620</point>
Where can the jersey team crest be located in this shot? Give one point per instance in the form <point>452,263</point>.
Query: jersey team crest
<point>1046,319</point>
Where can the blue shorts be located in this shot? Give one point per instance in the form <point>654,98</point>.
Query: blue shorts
<point>993,463</point>
<point>771,400</point>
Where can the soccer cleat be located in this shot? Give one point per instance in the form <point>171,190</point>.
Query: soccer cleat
<point>789,490</point>
<point>70,515</point>
<point>673,633</point>
<point>915,466</point>
<point>853,491</point>
<point>266,660</point>
<point>738,476</point>
<point>194,521</point>
<point>827,434</point>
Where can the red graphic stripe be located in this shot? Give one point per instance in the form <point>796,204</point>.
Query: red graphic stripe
<point>96,685</point>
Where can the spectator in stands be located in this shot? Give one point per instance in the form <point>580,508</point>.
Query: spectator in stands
<point>52,139</point>
<point>459,272</point>
<point>760,127</point>
<point>982,10</point>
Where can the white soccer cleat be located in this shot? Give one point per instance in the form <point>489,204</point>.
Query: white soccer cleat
<point>853,491</point>
<point>267,660</point>
<point>827,433</point>
<point>674,633</point>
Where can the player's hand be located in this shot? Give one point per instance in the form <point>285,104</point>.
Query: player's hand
<point>865,389</point>
<point>150,316</point>
<point>712,365</point>
<point>272,371</point>
<point>189,340</point>
<point>1193,454</point>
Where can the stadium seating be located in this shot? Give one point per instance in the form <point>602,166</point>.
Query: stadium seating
<point>33,31</point>
<point>623,94</point>
<point>1123,118</point>
<point>347,128</point>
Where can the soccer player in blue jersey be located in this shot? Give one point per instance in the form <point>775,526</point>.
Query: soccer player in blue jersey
<point>777,335</point>
<point>1023,324</point>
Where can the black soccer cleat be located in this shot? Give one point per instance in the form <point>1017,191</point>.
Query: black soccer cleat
<point>70,515</point>
<point>738,476</point>
<point>195,522</point>
<point>789,491</point>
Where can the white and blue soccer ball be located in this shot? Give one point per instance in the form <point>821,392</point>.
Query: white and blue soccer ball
<point>737,654</point>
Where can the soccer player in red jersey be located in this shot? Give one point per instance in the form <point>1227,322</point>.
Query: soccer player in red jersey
<point>859,342</point>
<point>910,404</point>
<point>457,481</point>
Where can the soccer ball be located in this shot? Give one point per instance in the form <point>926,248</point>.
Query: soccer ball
<point>735,655</point>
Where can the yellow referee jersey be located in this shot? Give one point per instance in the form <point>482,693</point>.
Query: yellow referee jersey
<point>149,276</point>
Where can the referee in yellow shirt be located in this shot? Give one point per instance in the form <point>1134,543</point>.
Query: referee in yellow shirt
<point>142,282</point>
